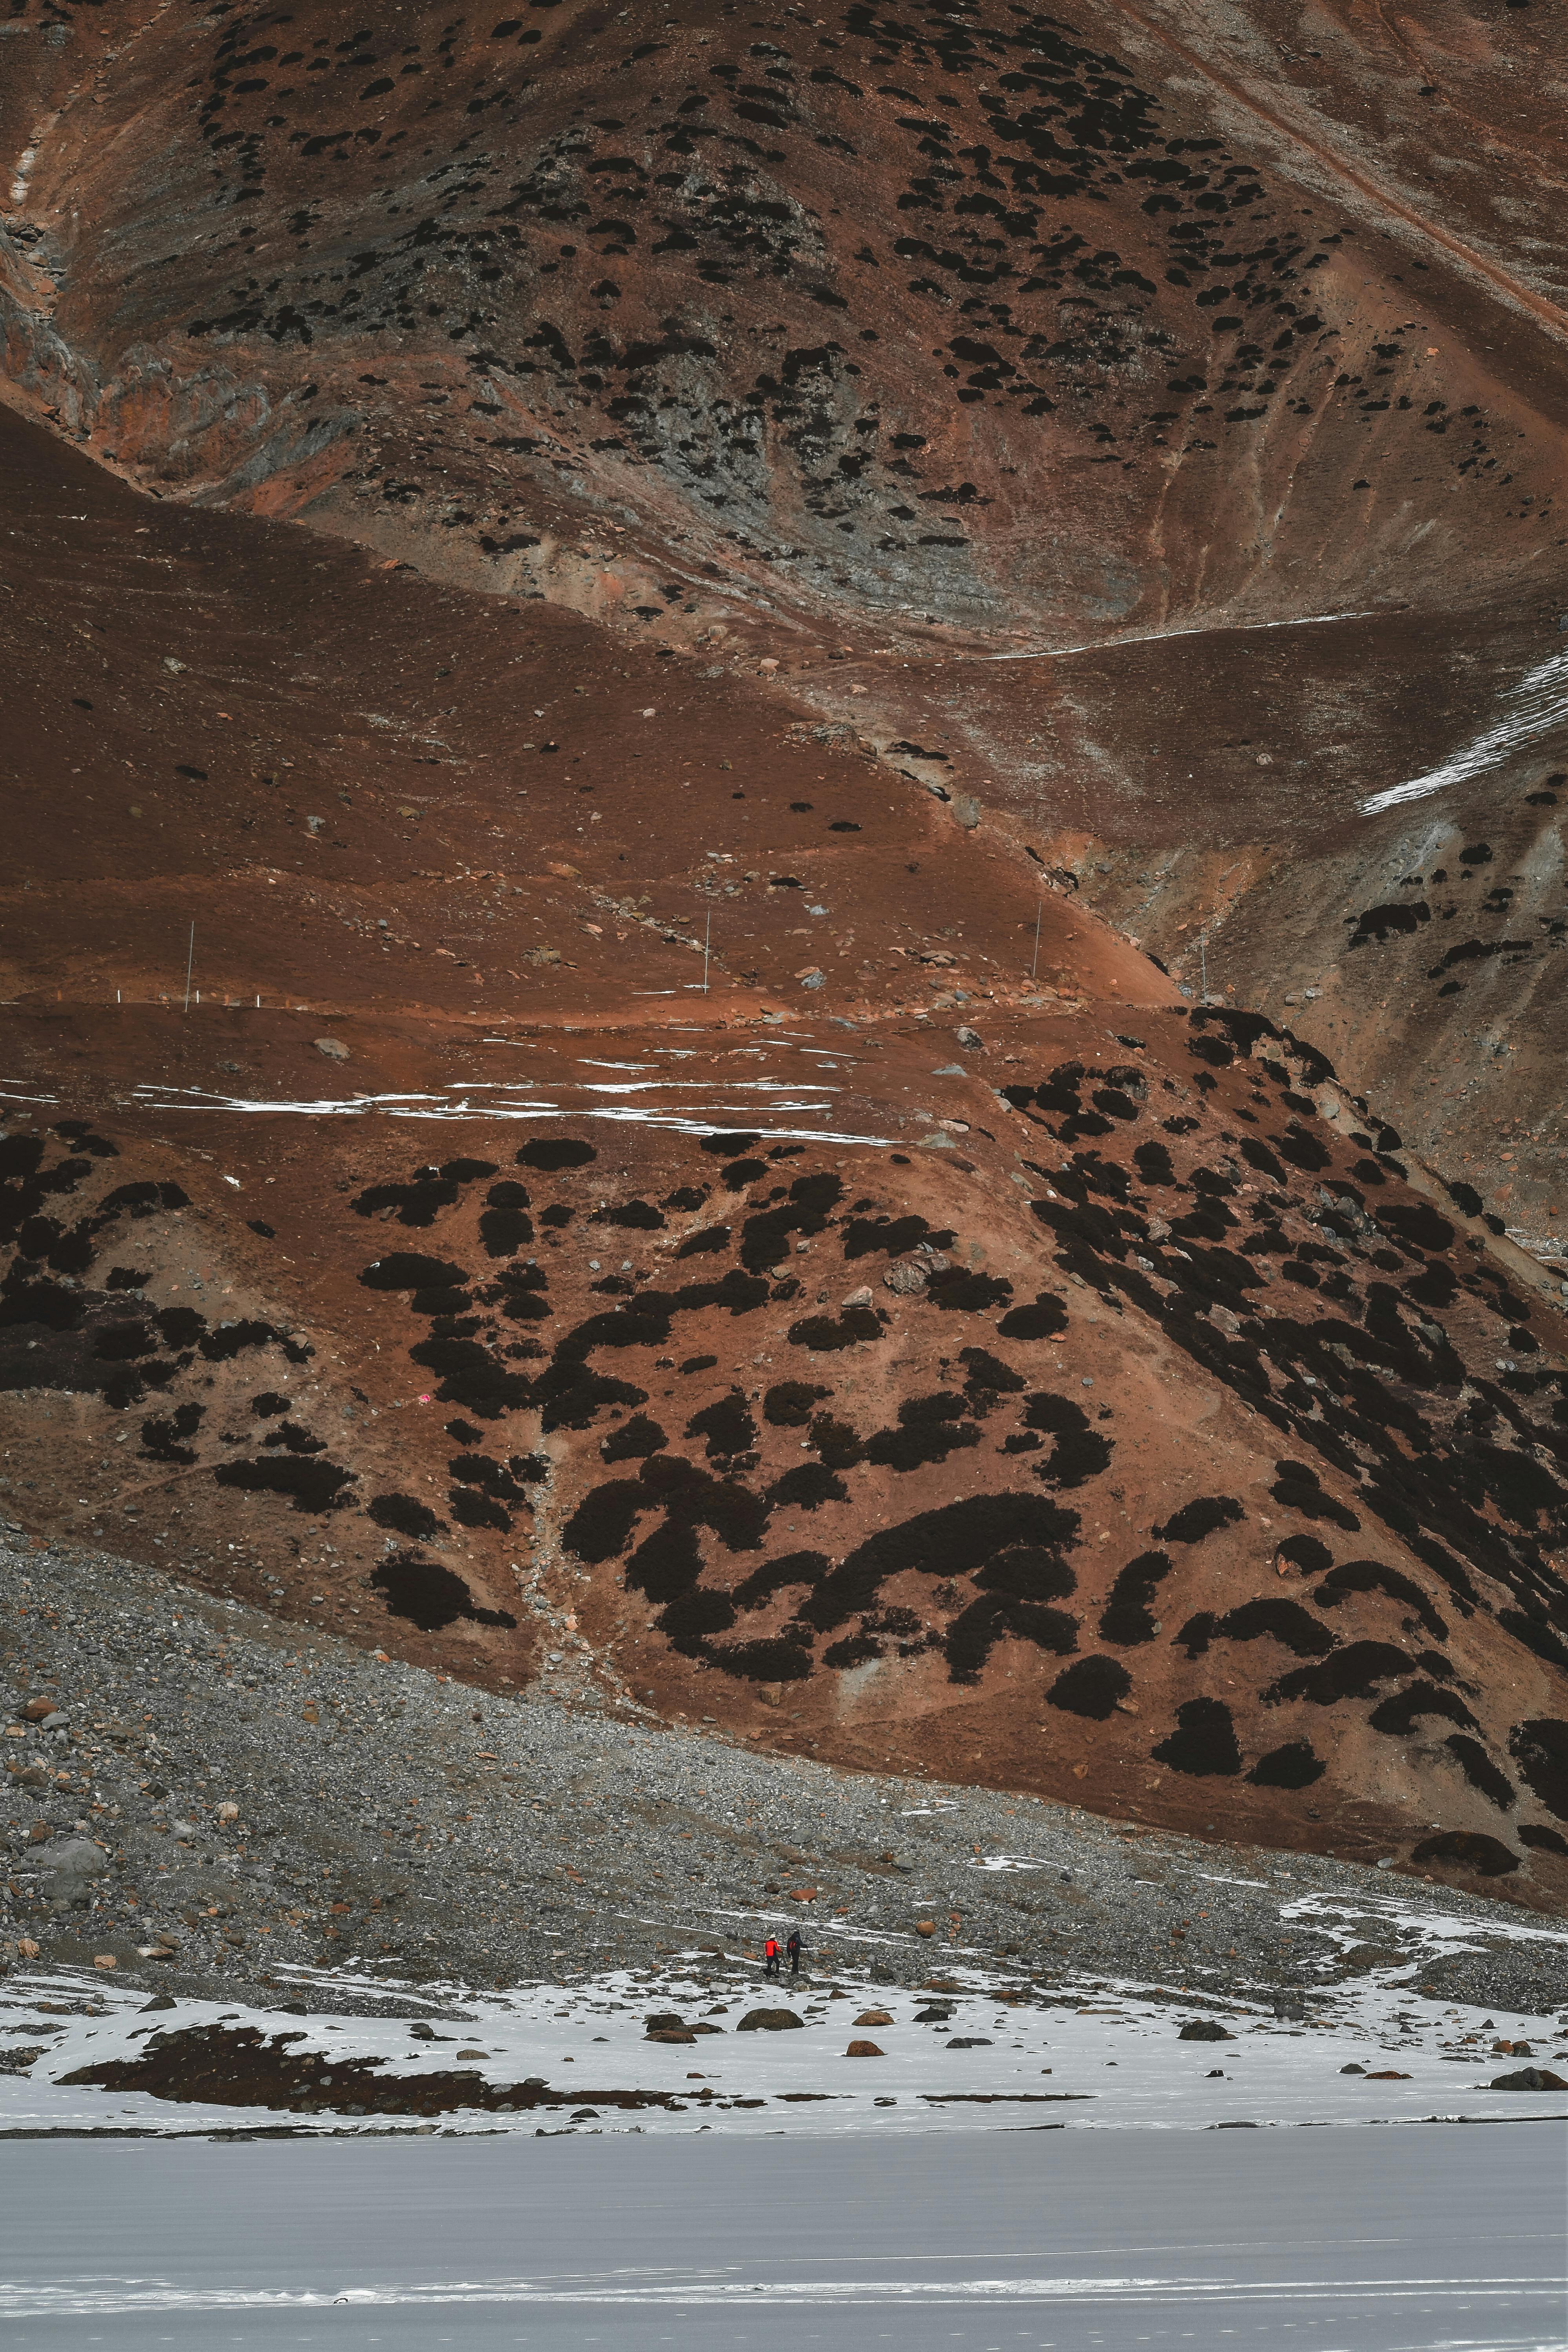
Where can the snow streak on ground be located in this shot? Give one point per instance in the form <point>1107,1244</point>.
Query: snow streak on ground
<point>1537,703</point>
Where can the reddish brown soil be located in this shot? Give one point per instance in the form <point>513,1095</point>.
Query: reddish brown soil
<point>455,786</point>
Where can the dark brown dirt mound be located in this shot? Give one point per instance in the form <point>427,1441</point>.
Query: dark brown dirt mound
<point>240,2066</point>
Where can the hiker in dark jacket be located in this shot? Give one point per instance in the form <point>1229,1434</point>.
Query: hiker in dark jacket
<point>795,1948</point>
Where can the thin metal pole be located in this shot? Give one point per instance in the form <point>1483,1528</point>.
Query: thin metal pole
<point>1034,966</point>
<point>706,936</point>
<point>190,959</point>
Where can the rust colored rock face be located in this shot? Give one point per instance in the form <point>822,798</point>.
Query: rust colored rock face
<point>668,682</point>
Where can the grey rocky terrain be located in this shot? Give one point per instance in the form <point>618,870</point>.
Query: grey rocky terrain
<point>211,1799</point>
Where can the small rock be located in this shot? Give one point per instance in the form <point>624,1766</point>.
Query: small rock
<point>905,1276</point>
<point>925,1926</point>
<point>104,1960</point>
<point>228,1812</point>
<point>972,1039</point>
<point>1353,2069</point>
<point>26,1950</point>
<point>874,2017</point>
<point>1529,2078</point>
<point>38,1709</point>
<point>1205,2029</point>
<point>1393,2075</point>
<point>332,1048</point>
<point>768,2021</point>
<point>811,977</point>
<point>969,2042</point>
<point>864,2050</point>
<point>861,1298</point>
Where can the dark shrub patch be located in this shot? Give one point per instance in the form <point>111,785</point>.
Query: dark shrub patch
<point>551,1153</point>
<point>778,1575</point>
<point>711,1237</point>
<point>1079,1452</point>
<point>602,1524</point>
<point>1371,1576</point>
<point>416,1203</point>
<point>1308,1555</point>
<point>1399,1713</point>
<point>930,1430</point>
<point>1469,1849</point>
<point>1284,1621</point>
<point>788,1404</point>
<point>471,1377</point>
<point>1091,1688</point>
<point>1546,1841</point>
<point>121,1343</point>
<point>835,1442</point>
<point>1479,1771</point>
<point>1416,1224</point>
<point>966,1293</point>
<point>727,1425</point>
<point>824,1336</point>
<point>1127,1619</point>
<point>1041,1320</point>
<point>780,1661</point>
<point>952,1541</point>
<point>310,1483</point>
<point>974,1632</point>
<point>407,1270</point>
<point>632,1441</point>
<point>222,1346</point>
<point>1303,1149</point>
<point>1026,1572</point>
<point>1204,1742</point>
<point>696,1613</point>
<point>988,1376</point>
<point>569,1395</point>
<point>806,1488</point>
<point>404,1515</point>
<point>853,1651</point>
<point>161,1438</point>
<point>1294,1766</point>
<point>1540,1748</point>
<point>1353,1672</point>
<point>505,1231</point>
<point>471,1509</point>
<point>893,1235</point>
<point>1197,1519</point>
<point>1295,1488</point>
<point>635,1216</point>
<point>429,1596</point>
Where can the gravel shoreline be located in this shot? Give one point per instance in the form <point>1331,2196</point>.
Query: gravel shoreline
<point>223,1796</point>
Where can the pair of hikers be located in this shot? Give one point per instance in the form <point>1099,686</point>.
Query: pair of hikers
<point>794,1949</point>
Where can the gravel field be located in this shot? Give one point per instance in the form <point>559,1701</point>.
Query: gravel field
<point>215,1799</point>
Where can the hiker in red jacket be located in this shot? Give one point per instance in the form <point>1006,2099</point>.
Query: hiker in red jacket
<point>771,1956</point>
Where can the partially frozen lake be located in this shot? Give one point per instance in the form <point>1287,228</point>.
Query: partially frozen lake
<point>1401,2239</point>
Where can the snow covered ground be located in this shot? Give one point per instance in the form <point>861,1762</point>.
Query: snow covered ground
<point>1105,2055</point>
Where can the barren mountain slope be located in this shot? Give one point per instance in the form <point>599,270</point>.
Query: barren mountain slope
<point>923,1342</point>
<point>1114,341</point>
